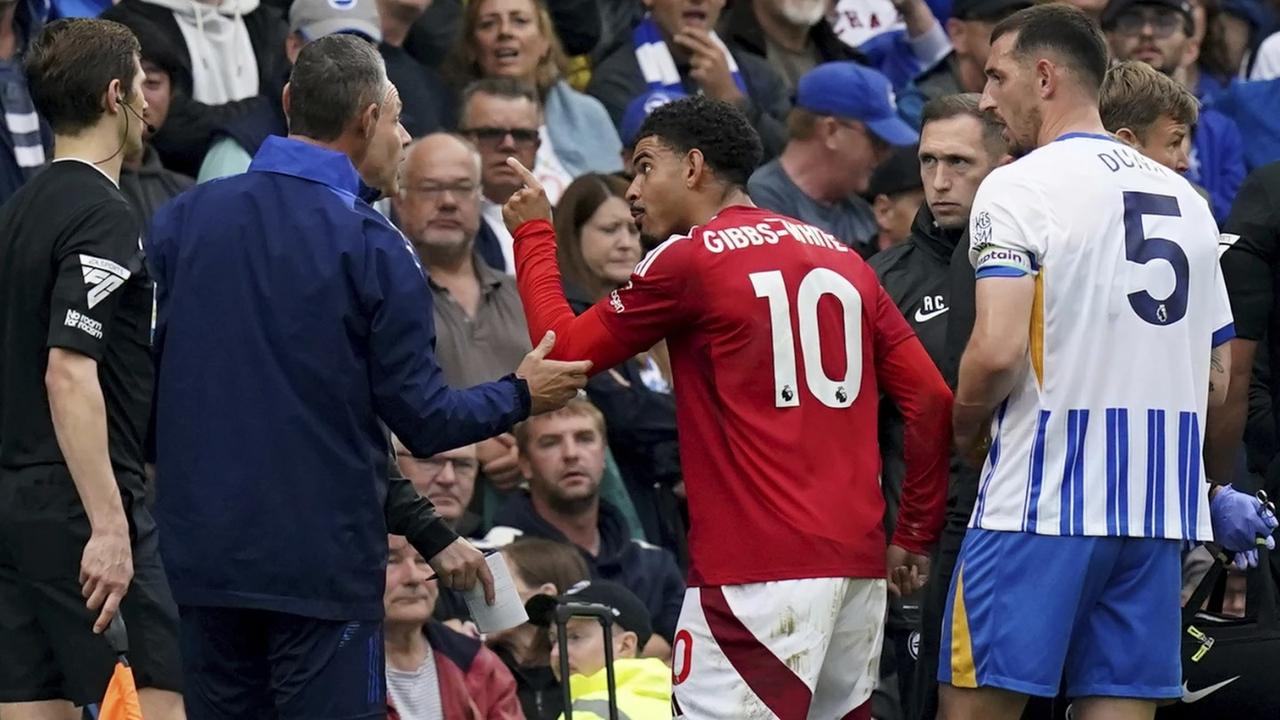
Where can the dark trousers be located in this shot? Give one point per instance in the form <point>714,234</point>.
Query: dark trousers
<point>922,702</point>
<point>245,664</point>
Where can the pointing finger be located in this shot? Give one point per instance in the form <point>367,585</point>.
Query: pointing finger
<point>530,181</point>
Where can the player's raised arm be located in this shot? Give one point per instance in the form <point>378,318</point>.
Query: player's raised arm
<point>649,303</point>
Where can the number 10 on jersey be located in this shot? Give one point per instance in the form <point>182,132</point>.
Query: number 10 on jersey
<point>832,392</point>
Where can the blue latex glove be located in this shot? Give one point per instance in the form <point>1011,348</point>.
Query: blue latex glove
<point>1245,560</point>
<point>1240,524</point>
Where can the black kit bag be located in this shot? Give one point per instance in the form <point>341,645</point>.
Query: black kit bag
<point>1230,665</point>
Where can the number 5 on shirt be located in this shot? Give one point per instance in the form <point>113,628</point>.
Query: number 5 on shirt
<point>832,392</point>
<point>1141,249</point>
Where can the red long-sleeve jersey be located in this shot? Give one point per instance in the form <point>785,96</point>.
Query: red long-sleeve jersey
<point>781,339</point>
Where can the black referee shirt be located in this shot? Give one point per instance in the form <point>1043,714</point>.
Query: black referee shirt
<point>1250,266</point>
<point>72,276</point>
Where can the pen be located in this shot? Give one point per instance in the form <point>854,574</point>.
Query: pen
<point>486,553</point>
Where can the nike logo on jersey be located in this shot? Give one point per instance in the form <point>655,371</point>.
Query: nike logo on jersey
<point>922,316</point>
<point>1189,696</point>
<point>102,276</point>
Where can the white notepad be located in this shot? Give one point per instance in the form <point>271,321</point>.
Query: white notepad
<point>507,611</point>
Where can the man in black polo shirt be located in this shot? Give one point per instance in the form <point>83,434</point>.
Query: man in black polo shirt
<point>75,397</point>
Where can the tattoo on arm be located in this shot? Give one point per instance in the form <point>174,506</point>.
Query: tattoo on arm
<point>1215,362</point>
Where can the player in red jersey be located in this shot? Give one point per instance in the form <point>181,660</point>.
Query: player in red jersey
<point>781,340</point>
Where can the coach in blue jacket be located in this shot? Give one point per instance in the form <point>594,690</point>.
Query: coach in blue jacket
<point>293,322</point>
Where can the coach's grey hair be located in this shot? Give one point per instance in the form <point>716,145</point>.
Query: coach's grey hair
<point>333,80</point>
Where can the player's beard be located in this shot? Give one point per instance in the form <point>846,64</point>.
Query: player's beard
<point>1023,137</point>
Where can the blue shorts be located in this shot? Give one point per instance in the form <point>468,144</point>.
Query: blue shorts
<point>251,664</point>
<point>1026,612</point>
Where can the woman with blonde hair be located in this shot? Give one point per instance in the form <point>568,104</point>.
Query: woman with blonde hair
<point>515,38</point>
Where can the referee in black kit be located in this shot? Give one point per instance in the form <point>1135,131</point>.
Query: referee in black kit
<point>1249,251</point>
<point>75,397</point>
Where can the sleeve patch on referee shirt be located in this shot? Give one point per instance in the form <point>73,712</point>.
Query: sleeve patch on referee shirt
<point>102,276</point>
<point>84,323</point>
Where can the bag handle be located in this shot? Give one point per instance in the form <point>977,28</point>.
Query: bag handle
<point>1267,600</point>
<point>1201,593</point>
<point>604,615</point>
<point>1268,603</point>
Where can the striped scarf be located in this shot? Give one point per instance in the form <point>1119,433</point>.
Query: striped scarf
<point>20,120</point>
<point>657,65</point>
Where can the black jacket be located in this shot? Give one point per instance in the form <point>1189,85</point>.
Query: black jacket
<point>189,128</point>
<point>151,186</point>
<point>918,275</point>
<point>741,29</point>
<point>646,570</point>
<point>436,31</point>
<point>617,79</point>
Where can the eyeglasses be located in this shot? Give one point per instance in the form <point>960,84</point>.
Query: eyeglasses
<point>461,468</point>
<point>494,136</point>
<point>435,192</point>
<point>1163,22</point>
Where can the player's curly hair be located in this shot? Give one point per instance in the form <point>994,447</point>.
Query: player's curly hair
<point>728,142</point>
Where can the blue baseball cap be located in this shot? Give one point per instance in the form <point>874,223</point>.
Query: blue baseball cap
<point>639,108</point>
<point>854,92</point>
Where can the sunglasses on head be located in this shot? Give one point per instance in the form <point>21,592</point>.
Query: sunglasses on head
<point>1163,21</point>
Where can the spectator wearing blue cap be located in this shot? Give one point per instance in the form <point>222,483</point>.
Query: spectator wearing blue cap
<point>962,70</point>
<point>1159,32</point>
<point>675,48</point>
<point>843,126</point>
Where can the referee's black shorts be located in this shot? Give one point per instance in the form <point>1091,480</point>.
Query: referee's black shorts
<point>49,649</point>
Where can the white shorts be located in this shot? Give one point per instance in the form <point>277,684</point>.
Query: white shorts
<point>792,649</point>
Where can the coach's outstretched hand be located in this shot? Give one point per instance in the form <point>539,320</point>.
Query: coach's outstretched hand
<point>528,203</point>
<point>459,565</point>
<point>552,383</point>
<point>907,571</point>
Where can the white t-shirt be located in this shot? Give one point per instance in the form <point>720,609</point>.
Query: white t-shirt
<point>1102,434</point>
<point>416,694</point>
<point>491,213</point>
<point>549,170</point>
<point>1266,66</point>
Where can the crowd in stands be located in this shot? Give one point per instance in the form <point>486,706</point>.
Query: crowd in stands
<point>836,89</point>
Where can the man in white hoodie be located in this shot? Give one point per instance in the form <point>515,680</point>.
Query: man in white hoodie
<point>232,58</point>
